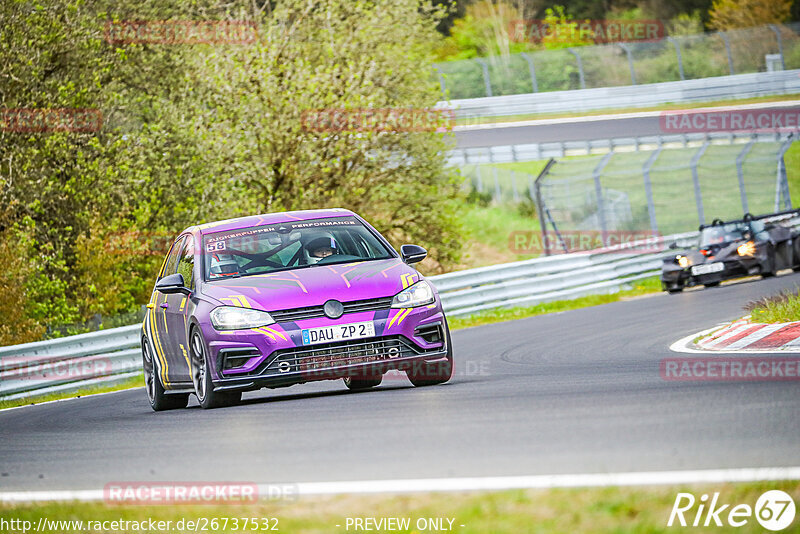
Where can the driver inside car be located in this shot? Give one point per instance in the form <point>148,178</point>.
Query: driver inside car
<point>320,246</point>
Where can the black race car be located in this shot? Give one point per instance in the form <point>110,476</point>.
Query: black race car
<point>749,246</point>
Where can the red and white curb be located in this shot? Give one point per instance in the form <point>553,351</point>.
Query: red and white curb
<point>743,336</point>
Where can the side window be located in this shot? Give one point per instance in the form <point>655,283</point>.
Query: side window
<point>171,265</point>
<point>186,264</point>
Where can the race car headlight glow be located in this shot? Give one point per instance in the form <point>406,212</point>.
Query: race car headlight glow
<point>746,249</point>
<point>233,318</point>
<point>683,261</point>
<point>419,294</point>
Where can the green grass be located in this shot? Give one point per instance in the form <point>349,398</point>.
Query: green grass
<point>487,232</point>
<point>781,308</point>
<point>641,287</point>
<point>664,107</point>
<point>612,509</point>
<point>133,382</point>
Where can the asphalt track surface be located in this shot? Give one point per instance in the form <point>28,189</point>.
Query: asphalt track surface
<point>585,129</point>
<point>574,392</point>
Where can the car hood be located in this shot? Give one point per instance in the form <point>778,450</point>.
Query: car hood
<point>313,286</point>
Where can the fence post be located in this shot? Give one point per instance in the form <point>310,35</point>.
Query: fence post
<point>627,50</point>
<point>532,70</point>
<point>498,194</point>
<point>728,51</point>
<point>580,67</point>
<point>598,191</point>
<point>514,190</point>
<point>777,31</point>
<point>648,188</point>
<point>486,80</point>
<point>782,185</point>
<point>697,194</point>
<point>740,174</point>
<point>537,189</point>
<point>678,53</point>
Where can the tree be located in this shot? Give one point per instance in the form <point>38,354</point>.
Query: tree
<point>730,14</point>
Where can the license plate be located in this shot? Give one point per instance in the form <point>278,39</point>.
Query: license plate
<point>708,268</point>
<point>339,332</point>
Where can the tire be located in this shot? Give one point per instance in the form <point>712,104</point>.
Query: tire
<point>711,284</point>
<point>434,373</point>
<point>355,384</point>
<point>159,399</point>
<point>674,290</point>
<point>201,378</point>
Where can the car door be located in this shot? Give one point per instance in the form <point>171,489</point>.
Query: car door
<point>163,341</point>
<point>177,314</point>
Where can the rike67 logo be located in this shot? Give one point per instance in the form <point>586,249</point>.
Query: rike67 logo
<point>774,510</point>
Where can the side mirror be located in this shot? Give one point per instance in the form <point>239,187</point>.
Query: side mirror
<point>171,284</point>
<point>413,253</point>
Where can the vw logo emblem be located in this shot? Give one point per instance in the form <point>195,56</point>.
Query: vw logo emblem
<point>333,309</point>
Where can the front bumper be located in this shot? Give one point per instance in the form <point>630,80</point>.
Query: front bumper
<point>673,276</point>
<point>275,356</point>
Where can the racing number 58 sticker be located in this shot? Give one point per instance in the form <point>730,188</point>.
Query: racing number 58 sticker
<point>215,247</point>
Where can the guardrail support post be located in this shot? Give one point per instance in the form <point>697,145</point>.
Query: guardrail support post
<point>740,174</point>
<point>627,50</point>
<point>580,66</point>
<point>728,52</point>
<point>487,82</point>
<point>648,188</point>
<point>777,31</point>
<point>678,54</point>
<point>532,70</point>
<point>598,191</point>
<point>697,194</point>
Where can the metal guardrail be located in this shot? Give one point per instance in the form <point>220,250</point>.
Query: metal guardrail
<point>559,149</point>
<point>109,356</point>
<point>551,278</point>
<point>70,363</point>
<point>654,94</point>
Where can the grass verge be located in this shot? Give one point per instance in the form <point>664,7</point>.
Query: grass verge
<point>664,107</point>
<point>781,308</point>
<point>611,509</point>
<point>640,287</point>
<point>133,382</point>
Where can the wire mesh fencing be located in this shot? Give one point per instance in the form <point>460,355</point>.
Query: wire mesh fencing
<point>759,49</point>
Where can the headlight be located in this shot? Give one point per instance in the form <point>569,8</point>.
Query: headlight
<point>683,261</point>
<point>419,294</point>
<point>746,249</point>
<point>233,318</point>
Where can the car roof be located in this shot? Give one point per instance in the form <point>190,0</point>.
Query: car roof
<point>268,218</point>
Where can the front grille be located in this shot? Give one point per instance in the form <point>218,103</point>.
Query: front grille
<point>340,353</point>
<point>310,312</point>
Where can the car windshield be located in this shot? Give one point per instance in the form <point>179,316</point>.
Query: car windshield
<point>728,232</point>
<point>294,245</point>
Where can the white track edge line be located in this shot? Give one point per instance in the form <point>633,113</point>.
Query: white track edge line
<point>425,485</point>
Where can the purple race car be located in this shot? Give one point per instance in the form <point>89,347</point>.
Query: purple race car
<point>286,298</point>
